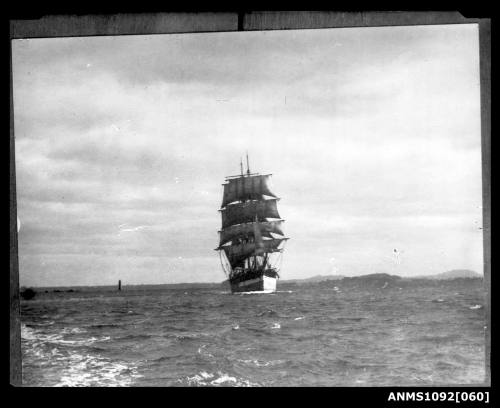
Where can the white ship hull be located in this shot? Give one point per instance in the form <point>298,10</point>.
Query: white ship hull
<point>262,284</point>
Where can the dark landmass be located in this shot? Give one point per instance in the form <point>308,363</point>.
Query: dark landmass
<point>27,293</point>
<point>453,274</point>
<point>449,275</point>
<point>107,288</point>
<point>59,290</point>
<point>193,285</point>
<point>317,278</point>
<point>374,279</point>
<point>387,281</point>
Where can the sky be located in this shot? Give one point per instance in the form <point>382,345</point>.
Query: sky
<point>372,136</point>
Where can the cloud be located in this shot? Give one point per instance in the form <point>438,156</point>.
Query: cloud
<point>372,136</point>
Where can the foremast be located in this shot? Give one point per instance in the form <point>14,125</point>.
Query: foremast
<point>251,225</point>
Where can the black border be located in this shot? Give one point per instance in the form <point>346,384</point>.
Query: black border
<point>352,396</point>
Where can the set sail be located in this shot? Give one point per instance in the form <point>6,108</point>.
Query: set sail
<point>251,225</point>
<point>236,254</point>
<point>246,211</point>
<point>246,188</point>
<point>266,228</point>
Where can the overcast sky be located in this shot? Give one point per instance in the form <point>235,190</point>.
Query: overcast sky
<point>372,136</point>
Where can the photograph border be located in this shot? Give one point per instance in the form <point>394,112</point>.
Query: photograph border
<point>49,26</point>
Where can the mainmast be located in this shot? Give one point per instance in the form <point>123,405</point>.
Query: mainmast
<point>251,224</point>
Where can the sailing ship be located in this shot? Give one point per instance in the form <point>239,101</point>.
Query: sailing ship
<point>251,239</point>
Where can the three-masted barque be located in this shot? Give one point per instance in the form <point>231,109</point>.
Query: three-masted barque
<point>251,239</point>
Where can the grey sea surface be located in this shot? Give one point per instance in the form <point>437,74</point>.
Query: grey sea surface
<point>315,334</point>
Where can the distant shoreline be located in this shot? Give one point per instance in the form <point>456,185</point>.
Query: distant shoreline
<point>449,275</point>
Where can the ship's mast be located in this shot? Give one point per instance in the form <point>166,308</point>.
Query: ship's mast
<point>244,194</point>
<point>256,221</point>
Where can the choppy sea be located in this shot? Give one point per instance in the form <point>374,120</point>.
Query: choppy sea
<point>321,334</point>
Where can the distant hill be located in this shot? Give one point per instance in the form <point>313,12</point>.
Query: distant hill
<point>383,277</point>
<point>453,274</point>
<point>314,279</point>
<point>379,280</point>
<point>374,277</point>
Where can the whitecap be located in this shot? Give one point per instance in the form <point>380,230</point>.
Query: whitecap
<point>204,353</point>
<point>81,342</point>
<point>256,292</point>
<point>259,363</point>
<point>276,326</point>
<point>475,307</point>
<point>299,318</point>
<point>29,334</point>
<point>224,378</point>
<point>74,368</point>
<point>87,370</point>
<point>74,330</point>
<point>209,379</point>
<point>49,323</point>
<point>204,374</point>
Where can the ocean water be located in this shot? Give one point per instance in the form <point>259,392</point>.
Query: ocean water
<point>322,334</point>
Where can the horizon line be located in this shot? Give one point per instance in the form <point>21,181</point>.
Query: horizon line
<point>480,275</point>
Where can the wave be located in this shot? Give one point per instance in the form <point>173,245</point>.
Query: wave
<point>364,366</point>
<point>29,334</point>
<point>436,338</point>
<point>259,363</point>
<point>104,325</point>
<point>70,367</point>
<point>446,365</point>
<point>161,359</point>
<point>87,370</point>
<point>74,330</point>
<point>42,324</point>
<point>78,343</point>
<point>186,336</point>
<point>133,336</point>
<point>350,319</point>
<point>268,312</point>
<point>217,379</point>
<point>257,292</point>
<point>203,352</point>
